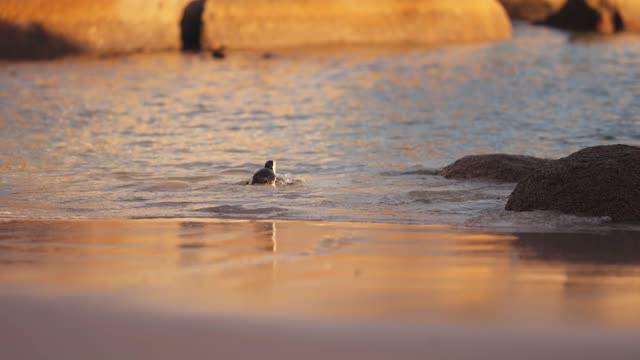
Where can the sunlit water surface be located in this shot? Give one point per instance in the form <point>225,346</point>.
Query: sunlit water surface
<point>357,133</point>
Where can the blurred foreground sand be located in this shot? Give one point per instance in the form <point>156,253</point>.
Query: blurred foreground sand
<point>76,328</point>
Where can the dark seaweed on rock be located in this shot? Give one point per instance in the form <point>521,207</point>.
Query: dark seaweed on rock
<point>596,181</point>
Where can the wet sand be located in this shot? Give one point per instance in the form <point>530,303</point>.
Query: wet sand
<point>178,288</point>
<point>76,328</point>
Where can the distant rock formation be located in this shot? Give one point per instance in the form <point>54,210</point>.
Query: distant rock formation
<point>596,181</point>
<point>23,41</point>
<point>497,167</point>
<point>605,16</point>
<point>31,29</point>
<point>532,10</point>
<point>264,24</point>
<point>586,15</point>
<point>627,12</point>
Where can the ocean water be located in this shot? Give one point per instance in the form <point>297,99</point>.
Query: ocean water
<point>357,133</point>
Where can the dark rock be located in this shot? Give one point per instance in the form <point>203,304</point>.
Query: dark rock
<point>603,16</point>
<point>596,181</point>
<point>498,167</point>
<point>191,25</point>
<point>218,53</point>
<point>578,15</point>
<point>30,41</point>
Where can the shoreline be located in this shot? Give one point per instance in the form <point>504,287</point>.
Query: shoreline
<point>579,225</point>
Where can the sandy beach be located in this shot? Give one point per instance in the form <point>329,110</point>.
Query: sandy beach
<point>185,288</point>
<point>79,328</point>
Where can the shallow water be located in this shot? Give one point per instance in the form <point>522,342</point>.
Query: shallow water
<point>334,271</point>
<point>357,131</point>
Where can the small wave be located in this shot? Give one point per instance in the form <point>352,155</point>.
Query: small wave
<point>240,210</point>
<point>497,217</point>
<point>281,180</point>
<point>167,204</point>
<point>192,179</point>
<point>421,171</point>
<point>287,179</point>
<point>197,165</point>
<point>235,171</point>
<point>426,196</point>
<point>142,143</point>
<point>129,175</point>
<point>167,186</point>
<point>134,199</point>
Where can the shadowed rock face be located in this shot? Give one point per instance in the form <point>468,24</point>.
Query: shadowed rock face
<point>264,24</point>
<point>605,16</point>
<point>191,25</point>
<point>596,181</point>
<point>588,15</point>
<point>532,10</point>
<point>575,15</point>
<point>497,167</point>
<point>17,42</point>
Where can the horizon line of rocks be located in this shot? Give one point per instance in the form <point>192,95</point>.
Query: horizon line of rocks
<point>31,29</point>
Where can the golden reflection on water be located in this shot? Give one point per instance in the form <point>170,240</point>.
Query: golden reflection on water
<point>336,270</point>
<point>97,138</point>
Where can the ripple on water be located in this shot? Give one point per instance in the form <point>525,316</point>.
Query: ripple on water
<point>281,180</point>
<point>367,131</point>
<point>498,217</point>
<point>166,186</point>
<point>286,179</point>
<point>448,196</point>
<point>419,171</point>
<point>239,210</point>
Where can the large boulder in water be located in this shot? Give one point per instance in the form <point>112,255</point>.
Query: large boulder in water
<point>497,167</point>
<point>604,16</point>
<point>31,29</point>
<point>596,181</point>
<point>265,24</point>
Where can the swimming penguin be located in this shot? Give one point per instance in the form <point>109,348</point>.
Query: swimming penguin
<point>266,175</point>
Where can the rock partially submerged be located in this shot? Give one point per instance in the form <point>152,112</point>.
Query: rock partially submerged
<point>265,24</point>
<point>605,16</point>
<point>596,181</point>
<point>497,167</point>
